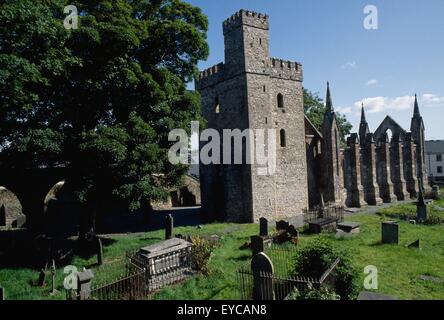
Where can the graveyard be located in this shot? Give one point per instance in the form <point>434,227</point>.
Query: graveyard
<point>403,272</point>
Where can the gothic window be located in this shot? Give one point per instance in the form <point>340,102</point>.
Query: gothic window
<point>283,138</point>
<point>2,216</point>
<point>280,100</point>
<point>217,106</point>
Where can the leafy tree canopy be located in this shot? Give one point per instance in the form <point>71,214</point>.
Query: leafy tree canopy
<point>314,108</point>
<point>100,99</point>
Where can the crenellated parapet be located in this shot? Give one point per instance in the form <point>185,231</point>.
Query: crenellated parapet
<point>211,76</point>
<point>289,70</point>
<point>246,17</point>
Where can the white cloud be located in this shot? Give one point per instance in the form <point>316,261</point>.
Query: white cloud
<point>372,82</point>
<point>432,100</point>
<point>379,104</point>
<point>344,110</point>
<point>383,104</point>
<point>350,65</point>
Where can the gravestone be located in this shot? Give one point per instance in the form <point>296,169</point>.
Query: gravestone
<point>390,233</point>
<point>99,252</point>
<point>257,244</point>
<point>436,192</point>
<point>84,279</point>
<point>263,227</point>
<point>293,232</point>
<point>2,216</point>
<point>421,209</point>
<point>169,225</point>
<point>262,269</point>
<point>415,245</point>
<point>412,222</point>
<point>282,225</point>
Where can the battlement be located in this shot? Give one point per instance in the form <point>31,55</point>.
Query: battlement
<point>246,17</point>
<point>285,69</point>
<point>210,76</point>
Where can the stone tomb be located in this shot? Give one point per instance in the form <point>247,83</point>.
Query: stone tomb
<point>349,227</point>
<point>166,262</point>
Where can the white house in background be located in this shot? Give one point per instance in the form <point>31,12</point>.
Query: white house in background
<point>435,160</point>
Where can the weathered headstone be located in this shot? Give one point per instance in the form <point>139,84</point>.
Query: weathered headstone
<point>263,227</point>
<point>293,232</point>
<point>99,252</point>
<point>262,269</point>
<point>169,225</point>
<point>415,245</point>
<point>257,244</point>
<point>412,222</point>
<point>2,216</point>
<point>282,225</point>
<point>436,191</point>
<point>421,209</point>
<point>390,233</point>
<point>84,279</point>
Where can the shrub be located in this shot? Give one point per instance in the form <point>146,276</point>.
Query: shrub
<point>202,250</point>
<point>314,294</point>
<point>315,258</point>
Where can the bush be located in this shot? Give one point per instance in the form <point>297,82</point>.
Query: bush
<point>314,294</point>
<point>202,250</point>
<point>315,258</point>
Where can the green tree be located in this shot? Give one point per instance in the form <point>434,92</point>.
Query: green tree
<point>314,108</point>
<point>100,99</point>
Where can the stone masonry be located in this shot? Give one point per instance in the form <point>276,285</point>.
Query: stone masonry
<point>252,90</point>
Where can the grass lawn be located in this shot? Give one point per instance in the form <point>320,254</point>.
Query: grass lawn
<point>398,266</point>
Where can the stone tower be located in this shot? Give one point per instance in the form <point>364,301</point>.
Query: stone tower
<point>332,173</point>
<point>418,135</point>
<point>253,91</point>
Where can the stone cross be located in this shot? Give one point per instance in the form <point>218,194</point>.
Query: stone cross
<point>169,225</point>
<point>257,244</point>
<point>263,227</point>
<point>262,269</point>
<point>390,233</point>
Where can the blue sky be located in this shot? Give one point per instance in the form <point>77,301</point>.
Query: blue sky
<point>383,68</point>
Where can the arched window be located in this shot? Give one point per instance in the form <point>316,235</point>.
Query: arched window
<point>280,100</point>
<point>217,106</point>
<point>2,216</point>
<point>283,138</point>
